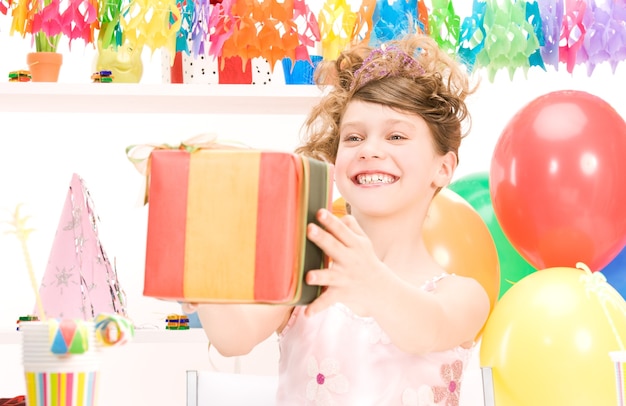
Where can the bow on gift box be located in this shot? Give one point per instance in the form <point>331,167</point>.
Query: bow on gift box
<point>139,154</point>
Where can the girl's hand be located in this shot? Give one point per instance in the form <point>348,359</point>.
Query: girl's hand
<point>355,271</point>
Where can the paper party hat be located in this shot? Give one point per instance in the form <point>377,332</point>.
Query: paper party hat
<point>79,281</point>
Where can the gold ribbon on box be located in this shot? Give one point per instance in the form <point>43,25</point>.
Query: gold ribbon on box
<point>139,154</point>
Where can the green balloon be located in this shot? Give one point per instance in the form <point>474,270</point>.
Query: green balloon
<point>474,189</point>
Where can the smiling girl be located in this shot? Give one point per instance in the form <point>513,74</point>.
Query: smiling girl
<point>391,326</point>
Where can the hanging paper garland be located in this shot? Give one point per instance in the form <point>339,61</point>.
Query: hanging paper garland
<point>76,19</point>
<point>422,17</point>
<point>187,11</point>
<point>603,40</point>
<point>364,22</point>
<point>109,16</point>
<point>199,35</point>
<point>80,20</point>
<point>572,33</point>
<point>445,25</point>
<point>244,41</point>
<point>510,38</point>
<point>392,20</point>
<point>534,19</point>
<point>551,12</point>
<point>277,33</point>
<point>5,5</point>
<point>336,21</point>
<point>148,23</point>
<point>616,41</point>
<point>500,34</point>
<point>47,19</point>
<point>307,28</point>
<point>221,26</point>
<point>473,34</point>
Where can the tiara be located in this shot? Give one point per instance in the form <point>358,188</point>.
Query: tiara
<point>386,61</point>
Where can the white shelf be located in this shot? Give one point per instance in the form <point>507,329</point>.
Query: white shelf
<point>157,98</point>
<point>142,336</point>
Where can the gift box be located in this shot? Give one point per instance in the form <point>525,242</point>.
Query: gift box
<point>229,225</point>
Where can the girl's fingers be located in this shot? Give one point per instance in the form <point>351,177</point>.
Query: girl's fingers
<point>322,277</point>
<point>342,229</point>
<point>323,239</point>
<point>321,303</point>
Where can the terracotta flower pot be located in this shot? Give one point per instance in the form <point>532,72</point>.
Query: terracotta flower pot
<point>44,66</point>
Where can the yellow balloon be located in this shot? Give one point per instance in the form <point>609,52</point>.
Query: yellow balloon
<point>548,340</point>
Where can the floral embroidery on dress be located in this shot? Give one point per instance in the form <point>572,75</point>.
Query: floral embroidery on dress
<point>325,380</point>
<point>451,375</point>
<point>422,397</point>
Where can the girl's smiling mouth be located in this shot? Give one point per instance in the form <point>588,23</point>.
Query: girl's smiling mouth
<point>373,178</point>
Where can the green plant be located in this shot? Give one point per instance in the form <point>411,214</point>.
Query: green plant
<point>44,43</point>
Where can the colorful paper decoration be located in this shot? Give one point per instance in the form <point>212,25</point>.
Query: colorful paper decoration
<point>605,37</point>
<point>391,20</point>
<point>572,32</point>
<point>498,35</point>
<point>68,337</point>
<point>110,33</point>
<point>222,25</point>
<point>445,25</point>
<point>473,34</point>
<point>551,12</point>
<point>113,329</point>
<point>510,40</point>
<point>199,35</point>
<point>534,18</point>
<point>76,19</point>
<point>336,21</point>
<point>79,281</point>
<point>151,23</point>
<point>4,6</point>
<point>307,28</point>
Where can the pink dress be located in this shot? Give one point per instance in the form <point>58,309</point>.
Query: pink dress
<point>339,358</point>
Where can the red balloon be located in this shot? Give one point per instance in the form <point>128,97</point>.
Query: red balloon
<point>557,181</point>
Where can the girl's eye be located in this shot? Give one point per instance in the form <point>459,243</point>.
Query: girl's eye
<point>351,138</point>
<point>396,137</point>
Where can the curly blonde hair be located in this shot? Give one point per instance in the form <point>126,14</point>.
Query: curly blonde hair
<point>411,75</point>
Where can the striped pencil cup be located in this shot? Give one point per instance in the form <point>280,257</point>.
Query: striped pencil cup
<point>61,363</point>
<point>619,360</point>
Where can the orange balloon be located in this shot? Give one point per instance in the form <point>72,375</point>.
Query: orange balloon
<point>339,207</point>
<point>459,240</point>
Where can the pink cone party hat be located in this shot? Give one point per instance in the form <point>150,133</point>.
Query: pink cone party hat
<point>79,281</point>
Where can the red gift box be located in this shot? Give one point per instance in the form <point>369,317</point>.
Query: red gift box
<point>229,225</point>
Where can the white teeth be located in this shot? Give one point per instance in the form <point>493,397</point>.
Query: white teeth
<point>374,178</point>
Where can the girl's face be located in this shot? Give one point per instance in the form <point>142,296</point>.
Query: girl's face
<point>386,160</point>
